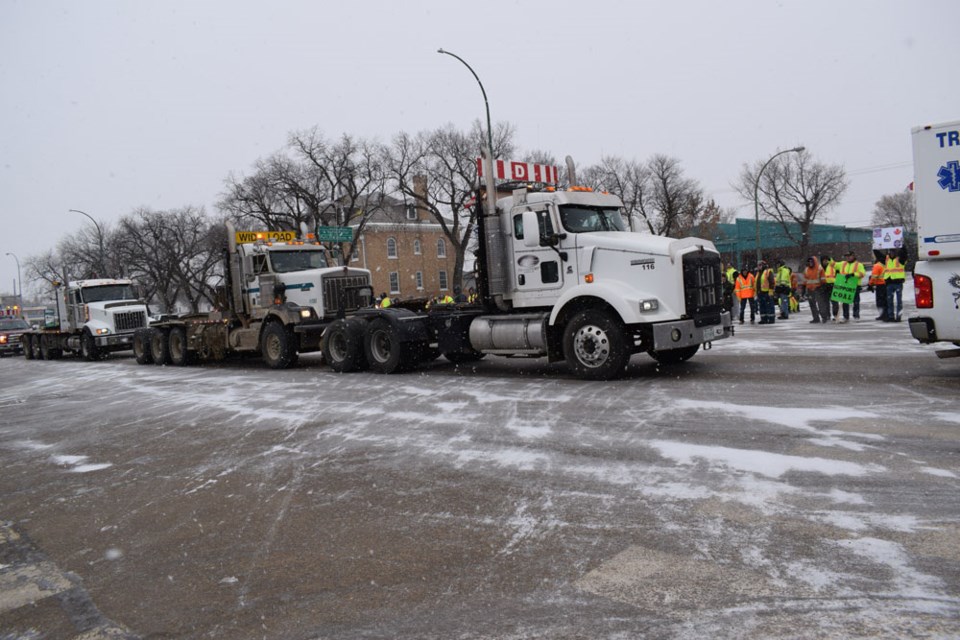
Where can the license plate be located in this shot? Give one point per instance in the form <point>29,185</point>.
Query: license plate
<point>713,332</point>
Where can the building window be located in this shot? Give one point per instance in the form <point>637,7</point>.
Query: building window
<point>416,247</point>
<point>392,248</point>
<point>411,212</point>
<point>419,280</point>
<point>441,248</point>
<point>394,282</point>
<point>355,253</point>
<point>443,279</point>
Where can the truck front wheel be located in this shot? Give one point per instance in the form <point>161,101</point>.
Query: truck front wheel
<point>141,346</point>
<point>88,347</point>
<point>278,346</point>
<point>595,345</point>
<point>343,346</point>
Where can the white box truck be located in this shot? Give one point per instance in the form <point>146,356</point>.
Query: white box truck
<point>936,166</point>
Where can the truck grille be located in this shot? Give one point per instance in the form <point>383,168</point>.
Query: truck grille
<point>130,320</point>
<point>351,288</point>
<point>702,287</point>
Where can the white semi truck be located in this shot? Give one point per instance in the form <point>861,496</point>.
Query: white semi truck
<point>559,276</point>
<point>93,318</point>
<point>280,294</point>
<point>936,276</point>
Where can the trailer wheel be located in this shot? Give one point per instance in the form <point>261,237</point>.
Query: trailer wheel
<point>48,352</point>
<point>278,346</point>
<point>160,347</point>
<point>88,347</point>
<point>383,349</point>
<point>26,341</point>
<point>141,346</point>
<point>177,350</point>
<point>674,356</point>
<point>595,345</point>
<point>343,346</point>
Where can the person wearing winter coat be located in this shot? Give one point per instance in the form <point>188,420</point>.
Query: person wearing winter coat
<point>816,291</point>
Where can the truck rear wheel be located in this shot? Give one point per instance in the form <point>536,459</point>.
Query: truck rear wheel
<point>141,346</point>
<point>27,342</point>
<point>88,347</point>
<point>674,356</point>
<point>159,347</point>
<point>343,346</point>
<point>278,346</point>
<point>48,352</point>
<point>383,349</point>
<point>180,355</point>
<point>595,345</point>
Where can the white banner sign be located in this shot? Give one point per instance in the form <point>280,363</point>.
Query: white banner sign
<point>888,238</point>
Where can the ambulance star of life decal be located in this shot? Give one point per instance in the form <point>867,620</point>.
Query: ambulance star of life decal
<point>950,176</point>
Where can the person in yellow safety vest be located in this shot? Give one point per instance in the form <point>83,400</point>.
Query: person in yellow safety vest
<point>829,278</point>
<point>385,301</point>
<point>766,288</point>
<point>813,282</point>
<point>852,267</point>
<point>879,287</point>
<point>472,296</point>
<point>782,289</point>
<point>894,274</point>
<point>746,291</point>
<point>729,275</point>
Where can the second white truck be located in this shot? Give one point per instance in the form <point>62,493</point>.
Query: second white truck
<point>936,278</point>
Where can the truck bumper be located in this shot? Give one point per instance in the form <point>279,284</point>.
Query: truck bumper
<point>923,329</point>
<point>115,341</point>
<point>684,333</point>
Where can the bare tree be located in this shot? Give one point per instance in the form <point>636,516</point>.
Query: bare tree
<point>627,179</point>
<point>312,182</point>
<point>657,196</point>
<point>795,191</point>
<point>896,210</point>
<point>447,158</point>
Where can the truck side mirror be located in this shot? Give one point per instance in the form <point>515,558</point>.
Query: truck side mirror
<point>531,229</point>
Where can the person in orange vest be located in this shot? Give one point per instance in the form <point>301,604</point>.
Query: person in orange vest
<point>879,287</point>
<point>746,291</point>
<point>852,267</point>
<point>765,293</point>
<point>813,283</point>
<point>894,274</point>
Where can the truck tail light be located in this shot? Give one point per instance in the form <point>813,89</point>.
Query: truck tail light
<point>923,289</point>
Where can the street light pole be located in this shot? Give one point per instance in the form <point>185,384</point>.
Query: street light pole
<point>756,190</point>
<point>19,281</point>
<point>99,239</point>
<point>486,103</point>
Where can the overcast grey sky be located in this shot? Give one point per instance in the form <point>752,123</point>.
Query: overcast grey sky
<point>106,106</point>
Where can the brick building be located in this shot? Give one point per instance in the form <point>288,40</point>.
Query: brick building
<point>406,252</point>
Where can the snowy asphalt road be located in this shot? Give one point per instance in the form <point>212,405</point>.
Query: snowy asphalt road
<point>796,481</point>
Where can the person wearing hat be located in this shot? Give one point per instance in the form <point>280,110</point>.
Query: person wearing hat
<point>852,267</point>
<point>765,293</point>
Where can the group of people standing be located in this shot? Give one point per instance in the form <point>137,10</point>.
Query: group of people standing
<point>774,292</point>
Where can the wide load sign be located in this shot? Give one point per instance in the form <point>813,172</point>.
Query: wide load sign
<point>514,171</point>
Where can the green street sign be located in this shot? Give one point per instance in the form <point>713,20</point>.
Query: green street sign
<point>334,234</point>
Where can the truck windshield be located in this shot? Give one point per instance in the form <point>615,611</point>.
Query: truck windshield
<point>287,261</point>
<point>13,325</point>
<point>107,292</point>
<point>580,219</point>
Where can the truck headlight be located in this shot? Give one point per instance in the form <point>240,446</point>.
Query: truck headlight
<point>646,306</point>
<point>102,332</point>
<point>306,313</point>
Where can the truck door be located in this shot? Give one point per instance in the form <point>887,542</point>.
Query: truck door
<point>536,268</point>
